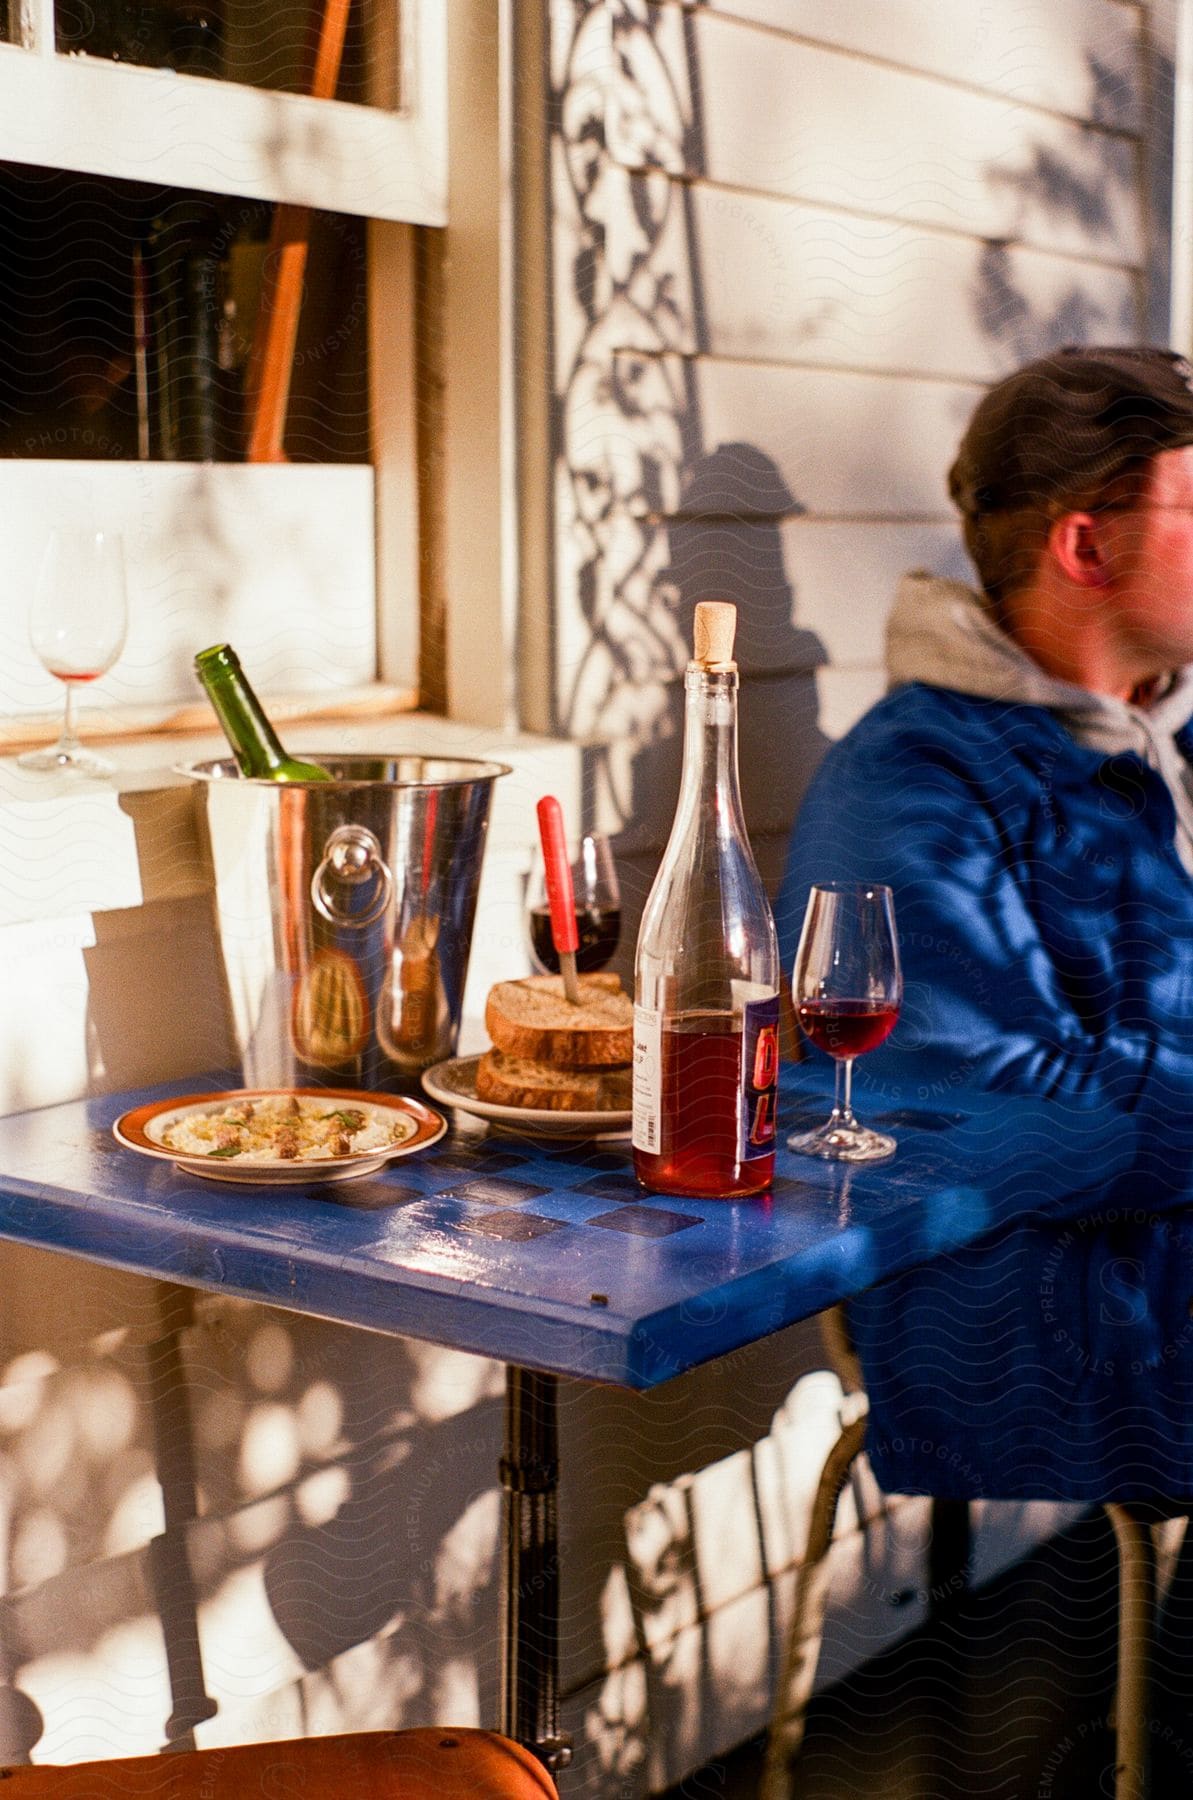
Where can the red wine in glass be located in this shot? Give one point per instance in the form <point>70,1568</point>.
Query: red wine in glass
<point>847,1028</point>
<point>598,907</point>
<point>77,625</point>
<point>599,929</point>
<point>847,988</point>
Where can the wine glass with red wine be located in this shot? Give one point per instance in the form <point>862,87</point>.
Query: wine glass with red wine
<point>77,626</point>
<point>598,906</point>
<point>847,988</point>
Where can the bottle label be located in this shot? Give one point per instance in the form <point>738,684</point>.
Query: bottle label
<point>759,1077</point>
<point>648,1079</point>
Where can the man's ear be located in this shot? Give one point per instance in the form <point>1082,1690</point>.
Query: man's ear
<point>1075,544</point>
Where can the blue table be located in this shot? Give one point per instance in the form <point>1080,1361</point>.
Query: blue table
<point>548,1257</point>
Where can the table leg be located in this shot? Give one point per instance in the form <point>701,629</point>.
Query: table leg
<point>530,1590</point>
<point>950,1557</point>
<point>169,1566</point>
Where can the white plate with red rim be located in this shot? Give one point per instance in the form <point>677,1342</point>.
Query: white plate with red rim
<point>453,1083</point>
<point>411,1126</point>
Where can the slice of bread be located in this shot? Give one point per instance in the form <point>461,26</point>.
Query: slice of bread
<point>534,1020</point>
<point>517,1081</point>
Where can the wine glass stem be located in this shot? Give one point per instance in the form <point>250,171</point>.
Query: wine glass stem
<point>847,1117</point>
<point>69,739</point>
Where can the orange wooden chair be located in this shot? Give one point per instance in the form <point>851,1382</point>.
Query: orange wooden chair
<point>426,1764</point>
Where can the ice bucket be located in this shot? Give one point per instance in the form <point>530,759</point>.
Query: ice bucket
<point>344,911</point>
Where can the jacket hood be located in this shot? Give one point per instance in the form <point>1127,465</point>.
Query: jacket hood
<point>943,633</point>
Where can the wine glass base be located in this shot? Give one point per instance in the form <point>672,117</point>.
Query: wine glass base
<point>66,759</point>
<point>836,1141</point>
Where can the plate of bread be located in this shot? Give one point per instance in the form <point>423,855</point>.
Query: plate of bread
<point>555,1069</point>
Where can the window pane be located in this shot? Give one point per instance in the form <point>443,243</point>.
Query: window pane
<point>130,312</point>
<point>259,43</point>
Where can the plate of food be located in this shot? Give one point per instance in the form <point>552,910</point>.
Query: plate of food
<point>280,1136</point>
<point>555,1069</point>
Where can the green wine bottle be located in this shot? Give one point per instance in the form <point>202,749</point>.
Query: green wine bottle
<point>246,724</point>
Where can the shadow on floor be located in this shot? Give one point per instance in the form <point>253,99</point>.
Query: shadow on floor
<point>1006,1699</point>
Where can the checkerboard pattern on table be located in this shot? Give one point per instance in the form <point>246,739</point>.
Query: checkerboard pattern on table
<point>547,1252</point>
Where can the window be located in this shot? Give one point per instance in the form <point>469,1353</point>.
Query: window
<point>139,201</point>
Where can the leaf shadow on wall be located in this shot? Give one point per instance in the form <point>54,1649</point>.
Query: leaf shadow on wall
<point>728,541</point>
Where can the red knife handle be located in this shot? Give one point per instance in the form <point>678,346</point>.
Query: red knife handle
<point>558,870</point>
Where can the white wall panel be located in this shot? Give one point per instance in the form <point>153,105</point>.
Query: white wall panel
<point>278,560</point>
<point>782,281</point>
<point>75,977</point>
<point>1072,56</point>
<point>776,116</point>
<point>839,442</point>
<point>843,695</point>
<point>809,592</point>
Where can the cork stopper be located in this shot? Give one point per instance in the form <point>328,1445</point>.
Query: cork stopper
<point>716,624</point>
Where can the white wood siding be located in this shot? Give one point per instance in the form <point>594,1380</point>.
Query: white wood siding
<point>1072,56</point>
<point>794,241</point>
<point>778,115</point>
<point>783,281</point>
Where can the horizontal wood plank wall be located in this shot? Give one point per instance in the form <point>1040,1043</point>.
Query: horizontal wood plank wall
<point>1069,56</point>
<point>794,240</point>
<point>771,113</point>
<point>792,282</point>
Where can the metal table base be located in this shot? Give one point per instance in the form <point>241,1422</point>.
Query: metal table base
<point>530,1584</point>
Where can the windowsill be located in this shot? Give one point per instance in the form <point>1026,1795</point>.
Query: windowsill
<point>166,724</point>
<point>72,846</point>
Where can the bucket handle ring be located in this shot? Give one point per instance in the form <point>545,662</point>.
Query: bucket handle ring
<point>351,855</point>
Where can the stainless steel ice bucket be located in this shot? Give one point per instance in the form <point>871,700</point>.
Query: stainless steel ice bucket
<point>345,913</point>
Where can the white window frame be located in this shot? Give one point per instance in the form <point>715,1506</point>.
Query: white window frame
<point>389,166</point>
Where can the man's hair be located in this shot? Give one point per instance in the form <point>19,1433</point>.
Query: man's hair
<point>1005,547</point>
<point>1060,435</point>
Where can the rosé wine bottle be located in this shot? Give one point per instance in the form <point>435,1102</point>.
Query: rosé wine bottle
<point>706,976</point>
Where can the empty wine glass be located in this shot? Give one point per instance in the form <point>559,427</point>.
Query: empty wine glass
<point>77,626</point>
<point>598,906</point>
<point>847,988</point>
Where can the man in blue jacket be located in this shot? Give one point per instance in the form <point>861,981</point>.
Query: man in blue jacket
<point>1026,789</point>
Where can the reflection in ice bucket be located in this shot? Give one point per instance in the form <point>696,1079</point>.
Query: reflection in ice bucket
<point>416,1021</point>
<point>345,914</point>
<point>330,1021</point>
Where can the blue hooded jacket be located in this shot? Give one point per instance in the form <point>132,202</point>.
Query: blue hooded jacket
<point>1045,916</point>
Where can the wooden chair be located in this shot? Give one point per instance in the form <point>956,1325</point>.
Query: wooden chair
<point>1136,1601</point>
<point>425,1764</point>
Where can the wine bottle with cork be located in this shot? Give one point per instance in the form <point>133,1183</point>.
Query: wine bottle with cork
<point>259,751</point>
<point>706,977</point>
